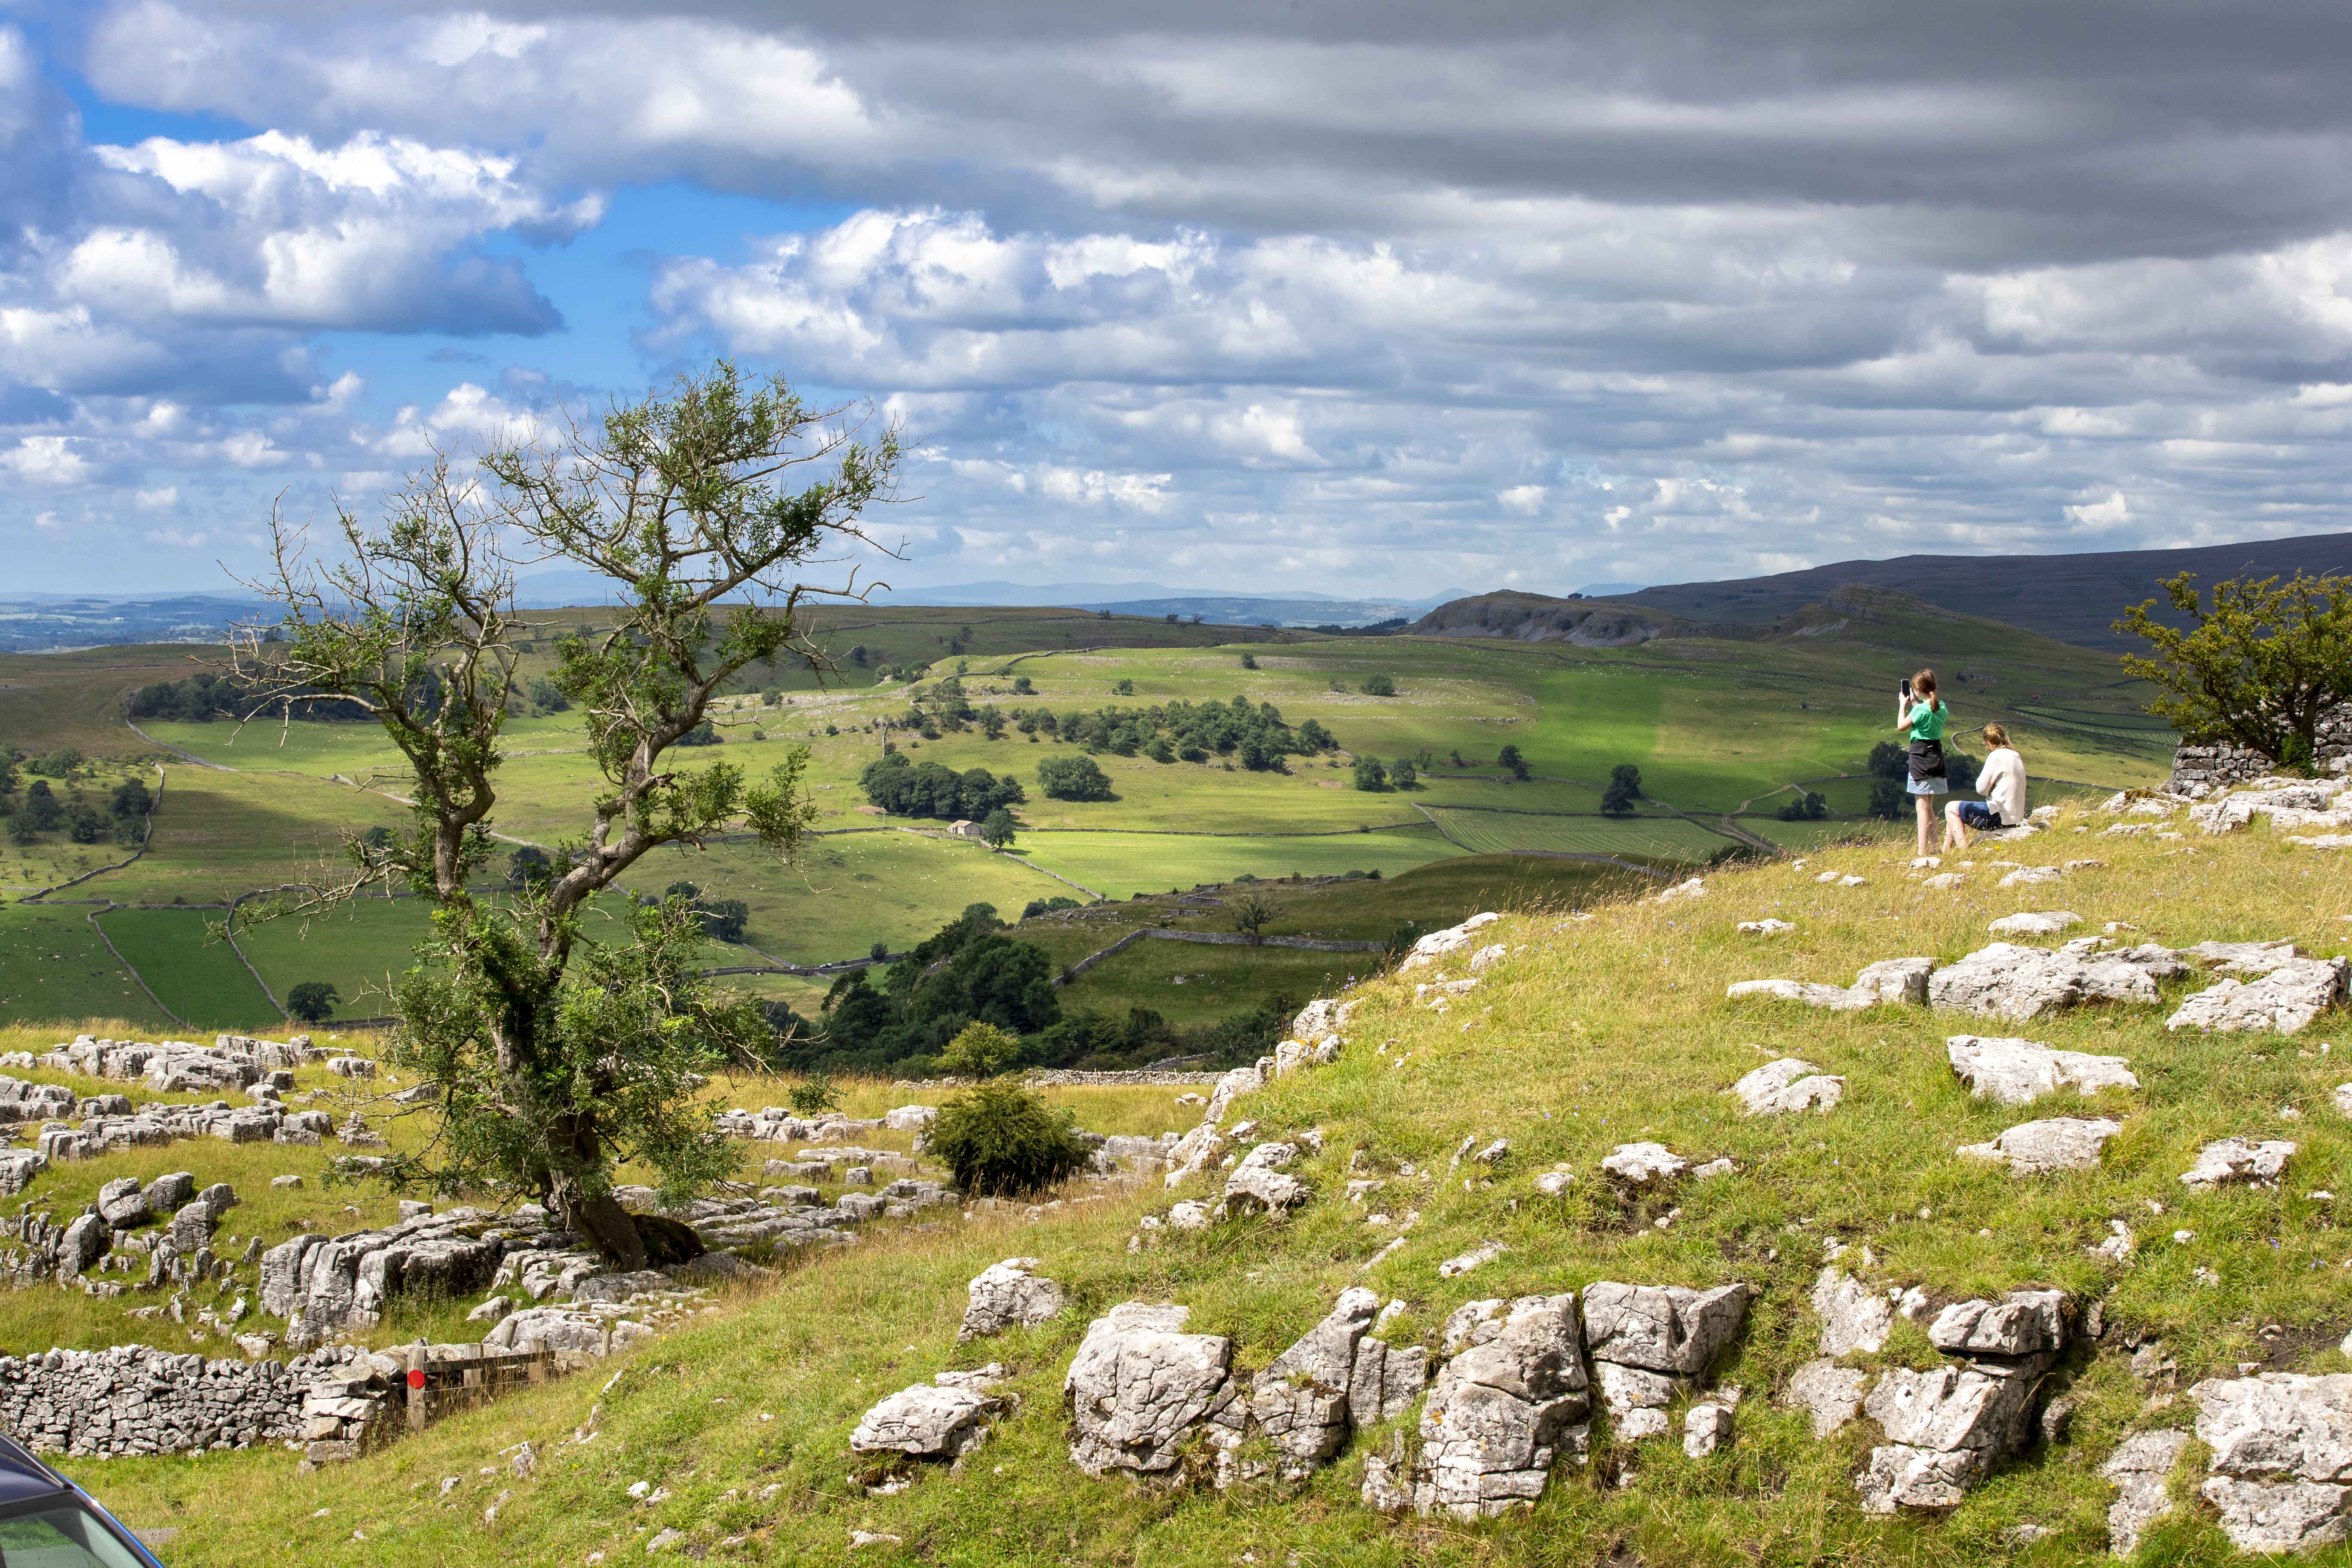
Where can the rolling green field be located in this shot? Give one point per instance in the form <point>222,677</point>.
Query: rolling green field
<point>1713,725</point>
<point>1120,865</point>
<point>53,966</point>
<point>1500,833</point>
<point>1193,982</point>
<point>194,973</point>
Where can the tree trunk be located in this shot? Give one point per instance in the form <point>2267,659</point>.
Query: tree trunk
<point>601,1222</point>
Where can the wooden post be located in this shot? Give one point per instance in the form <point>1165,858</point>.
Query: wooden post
<point>417,1379</point>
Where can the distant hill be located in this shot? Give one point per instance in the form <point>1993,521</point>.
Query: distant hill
<point>1539,618</point>
<point>2071,597</point>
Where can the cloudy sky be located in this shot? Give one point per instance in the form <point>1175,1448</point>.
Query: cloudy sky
<point>1252,294</point>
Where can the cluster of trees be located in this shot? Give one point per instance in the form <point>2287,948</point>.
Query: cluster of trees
<point>904,787</point>
<point>974,999</point>
<point>1251,733</point>
<point>1073,778</point>
<point>1372,774</point>
<point>34,808</point>
<point>966,972</point>
<point>1624,788</point>
<point>1890,772</point>
<point>1804,807</point>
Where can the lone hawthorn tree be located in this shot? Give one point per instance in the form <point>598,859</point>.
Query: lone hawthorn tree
<point>2261,667</point>
<point>553,1057</point>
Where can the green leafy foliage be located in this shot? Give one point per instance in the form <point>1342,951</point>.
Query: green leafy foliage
<point>998,1140</point>
<point>1370,775</point>
<point>903,788</point>
<point>1073,778</point>
<point>2259,668</point>
<point>979,1050</point>
<point>813,1096</point>
<point>1379,686</point>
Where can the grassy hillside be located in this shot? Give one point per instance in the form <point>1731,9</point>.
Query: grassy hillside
<point>2072,597</point>
<point>1587,1034</point>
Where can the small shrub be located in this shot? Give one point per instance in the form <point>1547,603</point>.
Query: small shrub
<point>1249,661</point>
<point>1378,686</point>
<point>998,1140</point>
<point>813,1096</point>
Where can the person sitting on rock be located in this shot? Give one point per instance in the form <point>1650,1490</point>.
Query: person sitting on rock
<point>2001,782</point>
<point>1920,716</point>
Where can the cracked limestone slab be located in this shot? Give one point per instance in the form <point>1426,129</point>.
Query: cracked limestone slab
<point>2044,922</point>
<point>1669,1328</point>
<point>1789,1085</point>
<point>2281,1456</point>
<point>2023,1323</point>
<point>1139,1385</point>
<point>2140,1470</point>
<point>2018,1072</point>
<point>1830,1394</point>
<point>2239,1162</point>
<point>2284,1001</point>
<point>1008,1295</point>
<point>1644,1164</point>
<point>2059,1143</point>
<point>1853,1316</point>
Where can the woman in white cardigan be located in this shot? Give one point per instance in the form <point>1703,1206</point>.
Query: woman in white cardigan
<point>2001,782</point>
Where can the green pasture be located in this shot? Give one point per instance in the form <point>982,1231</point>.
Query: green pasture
<point>358,949</point>
<point>1120,865</point>
<point>1502,832</point>
<point>53,965</point>
<point>1196,982</point>
<point>845,891</point>
<point>195,973</point>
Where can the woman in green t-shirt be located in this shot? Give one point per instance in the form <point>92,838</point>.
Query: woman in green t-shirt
<point>1921,717</point>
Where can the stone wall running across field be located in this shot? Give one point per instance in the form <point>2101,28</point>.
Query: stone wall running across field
<point>130,1399</point>
<point>2199,770</point>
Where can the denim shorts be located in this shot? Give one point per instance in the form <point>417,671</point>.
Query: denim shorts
<point>1928,786</point>
<point>1976,815</point>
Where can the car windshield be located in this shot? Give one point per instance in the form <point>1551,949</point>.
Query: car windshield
<point>62,1535</point>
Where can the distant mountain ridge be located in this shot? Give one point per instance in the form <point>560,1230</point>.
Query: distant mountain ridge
<point>2071,597</point>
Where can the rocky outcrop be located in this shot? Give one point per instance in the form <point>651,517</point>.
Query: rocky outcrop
<point>325,1285</point>
<point>2284,1001</point>
<point>1008,1295</point>
<point>2060,1143</point>
<point>943,1419</point>
<point>1649,1342</point>
<point>1947,1427</point>
<point>2239,1162</point>
<point>1782,1088</point>
<point>1890,983</point>
<point>1438,944</point>
<point>2022,984</point>
<point>1141,1388</point>
<point>1301,1401</point>
<point>1260,1185</point>
<point>2141,1469</point>
<point>2018,1072</point>
<point>1513,1392</point>
<point>2282,1457</point>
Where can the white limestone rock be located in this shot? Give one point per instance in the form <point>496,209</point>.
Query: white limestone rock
<point>1669,1328</point>
<point>2060,1143</point>
<point>1259,1184</point>
<point>2141,1469</point>
<point>2024,1323</point>
<point>1945,1430</point>
<point>2022,984</point>
<point>1830,1394</point>
<point>1513,1393</point>
<point>927,1421</point>
<point>2231,1162</point>
<point>1644,1164</point>
<point>1141,1386</point>
<point>1008,1295</point>
<point>2282,1457</point>
<point>1437,944</point>
<point>2246,958</point>
<point>1705,1429</point>
<point>2284,1001</point>
<point>1787,1086</point>
<point>1853,1316</point>
<point>2018,1072</point>
<point>1301,1400</point>
<point>2045,923</point>
<point>1768,926</point>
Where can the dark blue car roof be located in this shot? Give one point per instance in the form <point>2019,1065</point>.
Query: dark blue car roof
<point>22,1477</point>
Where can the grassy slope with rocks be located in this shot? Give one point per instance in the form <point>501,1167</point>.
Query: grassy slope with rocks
<point>1590,1033</point>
